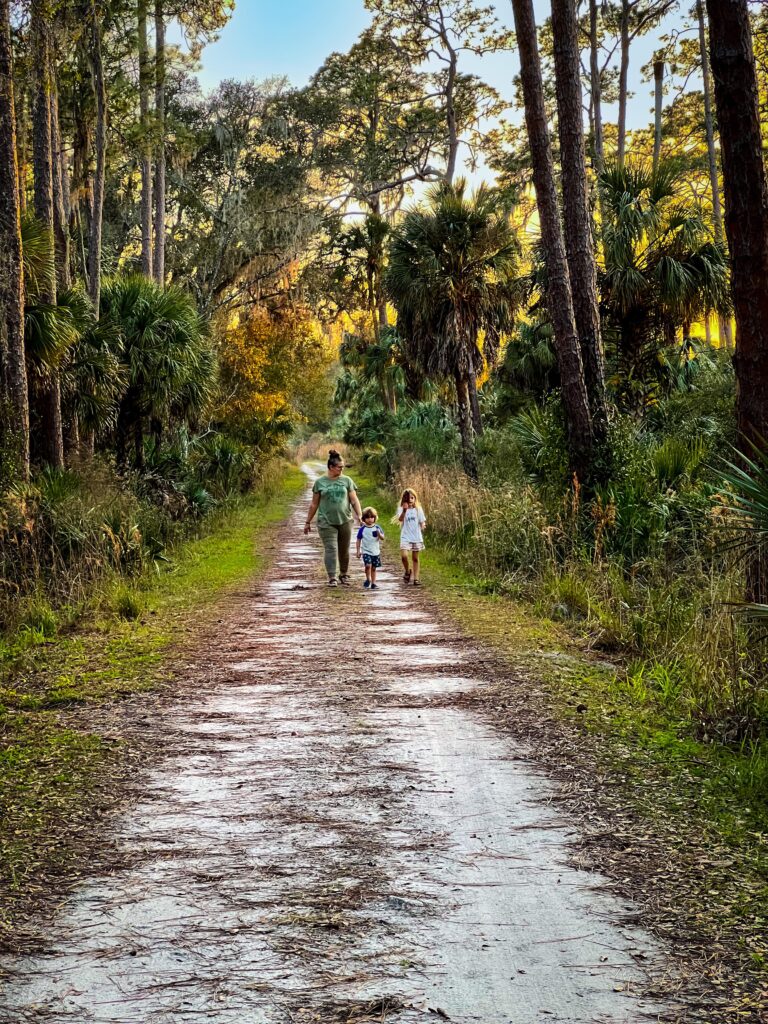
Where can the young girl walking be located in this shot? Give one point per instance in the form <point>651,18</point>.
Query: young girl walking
<point>412,521</point>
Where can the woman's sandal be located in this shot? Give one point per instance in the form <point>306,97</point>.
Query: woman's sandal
<point>345,581</point>
<point>417,583</point>
<point>406,577</point>
<point>333,583</point>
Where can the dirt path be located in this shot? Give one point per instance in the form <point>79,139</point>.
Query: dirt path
<point>332,837</point>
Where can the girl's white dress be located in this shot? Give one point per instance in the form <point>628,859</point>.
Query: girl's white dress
<point>411,537</point>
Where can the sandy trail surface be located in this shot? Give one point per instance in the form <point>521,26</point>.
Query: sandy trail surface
<point>331,836</point>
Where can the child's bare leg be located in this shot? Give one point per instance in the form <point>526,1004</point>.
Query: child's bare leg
<point>373,574</point>
<point>416,567</point>
<point>369,573</point>
<point>404,560</point>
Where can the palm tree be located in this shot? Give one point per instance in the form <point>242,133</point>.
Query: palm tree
<point>380,361</point>
<point>163,348</point>
<point>662,269</point>
<point>93,379</point>
<point>452,276</point>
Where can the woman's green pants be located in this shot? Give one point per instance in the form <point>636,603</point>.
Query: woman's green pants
<point>336,541</point>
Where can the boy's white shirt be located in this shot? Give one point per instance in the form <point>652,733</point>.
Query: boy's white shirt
<point>370,545</point>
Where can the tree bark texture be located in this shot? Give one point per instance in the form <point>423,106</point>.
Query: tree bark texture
<point>14,371</point>
<point>658,93</point>
<point>94,243</point>
<point>577,215</point>
<point>146,144</point>
<point>450,116</point>
<point>160,157</point>
<point>559,298</point>
<point>47,390</point>
<point>22,141</point>
<point>60,191</point>
<point>596,89</point>
<point>623,81</point>
<point>724,322</point>
<point>468,453</point>
<point>746,225</point>
<point>474,400</point>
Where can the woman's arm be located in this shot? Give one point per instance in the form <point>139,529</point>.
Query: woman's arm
<point>311,513</point>
<point>355,503</point>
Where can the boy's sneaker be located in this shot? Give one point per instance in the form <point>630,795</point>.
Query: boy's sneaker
<point>367,584</point>
<point>374,586</point>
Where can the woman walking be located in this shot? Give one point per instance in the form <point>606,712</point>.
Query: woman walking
<point>334,499</point>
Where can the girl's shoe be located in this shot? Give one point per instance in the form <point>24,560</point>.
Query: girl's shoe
<point>374,586</point>
<point>367,584</point>
<point>332,582</point>
<point>407,577</point>
<point>345,581</point>
<point>417,583</point>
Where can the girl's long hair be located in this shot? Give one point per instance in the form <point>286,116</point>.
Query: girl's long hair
<point>407,494</point>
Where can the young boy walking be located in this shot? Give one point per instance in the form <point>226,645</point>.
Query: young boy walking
<point>369,538</point>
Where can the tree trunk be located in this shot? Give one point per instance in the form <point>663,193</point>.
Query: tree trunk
<point>60,223</point>
<point>474,401</point>
<point>48,390</point>
<point>14,370</point>
<point>577,215</point>
<point>146,144</point>
<point>468,453</point>
<point>414,382</point>
<point>724,322</point>
<point>596,89</point>
<point>82,145</point>
<point>94,243</point>
<point>450,115</point>
<point>658,92</point>
<point>138,444</point>
<point>22,142</point>
<point>559,298</point>
<point>623,82</point>
<point>746,226</point>
<point>159,256</point>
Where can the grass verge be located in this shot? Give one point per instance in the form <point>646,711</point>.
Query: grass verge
<point>59,761</point>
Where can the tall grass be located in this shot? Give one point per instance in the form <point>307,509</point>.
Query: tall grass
<point>66,530</point>
<point>667,608</point>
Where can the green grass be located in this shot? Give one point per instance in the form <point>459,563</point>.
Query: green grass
<point>51,772</point>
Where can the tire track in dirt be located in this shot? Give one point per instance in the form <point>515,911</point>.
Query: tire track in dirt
<point>331,836</point>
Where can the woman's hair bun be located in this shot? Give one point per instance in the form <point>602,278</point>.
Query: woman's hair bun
<point>333,454</point>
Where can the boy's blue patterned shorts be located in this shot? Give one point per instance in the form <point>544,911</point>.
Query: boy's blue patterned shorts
<point>373,560</point>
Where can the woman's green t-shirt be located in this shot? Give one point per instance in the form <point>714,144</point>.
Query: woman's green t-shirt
<point>335,508</point>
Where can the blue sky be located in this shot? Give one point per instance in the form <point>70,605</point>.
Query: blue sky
<point>282,37</point>
<point>293,38</point>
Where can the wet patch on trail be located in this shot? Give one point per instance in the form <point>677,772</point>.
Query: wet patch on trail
<point>332,836</point>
